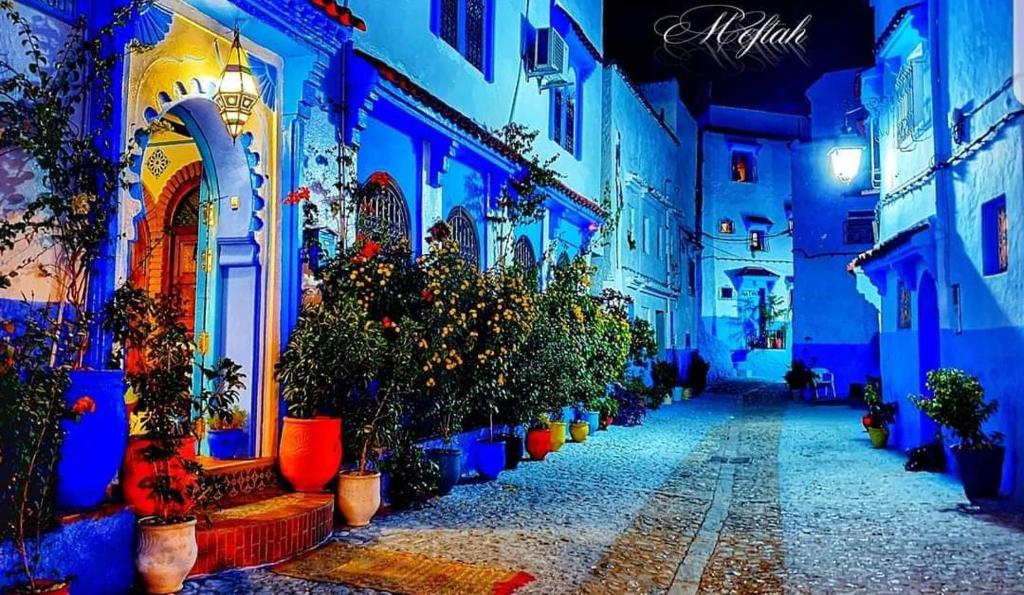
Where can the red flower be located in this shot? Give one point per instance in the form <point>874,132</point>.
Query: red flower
<point>296,196</point>
<point>427,295</point>
<point>380,179</point>
<point>83,405</point>
<point>370,250</point>
<point>386,322</point>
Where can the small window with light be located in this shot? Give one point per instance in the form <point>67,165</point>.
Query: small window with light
<point>726,226</point>
<point>758,240</point>
<point>742,166</point>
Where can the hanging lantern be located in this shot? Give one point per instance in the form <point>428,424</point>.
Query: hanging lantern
<point>238,92</point>
<point>847,156</point>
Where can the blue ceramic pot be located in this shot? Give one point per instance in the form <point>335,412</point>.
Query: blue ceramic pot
<point>981,471</point>
<point>490,458</point>
<point>226,444</point>
<point>449,461</point>
<point>593,420</point>
<point>93,446</point>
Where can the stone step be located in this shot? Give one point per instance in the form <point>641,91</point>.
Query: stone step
<point>263,527</point>
<point>240,478</point>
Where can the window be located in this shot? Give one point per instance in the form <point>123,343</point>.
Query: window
<point>876,152</point>
<point>523,253</point>
<point>463,24</point>
<point>742,166</point>
<point>691,276</point>
<point>647,235</point>
<point>859,227</point>
<point>563,117</point>
<point>958,311</point>
<point>726,226</point>
<point>726,293</point>
<point>906,310</point>
<point>908,105</point>
<point>660,243</point>
<point>758,240</point>
<point>383,208</point>
<point>995,236</point>
<point>464,232</point>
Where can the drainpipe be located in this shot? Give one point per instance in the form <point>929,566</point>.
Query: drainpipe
<point>943,149</point>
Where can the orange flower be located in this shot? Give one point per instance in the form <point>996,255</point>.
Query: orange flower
<point>83,405</point>
<point>370,250</point>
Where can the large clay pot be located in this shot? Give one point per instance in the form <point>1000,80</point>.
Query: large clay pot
<point>358,497</point>
<point>226,444</point>
<point>579,431</point>
<point>538,443</point>
<point>310,453</point>
<point>165,554</point>
<point>490,458</point>
<point>879,437</point>
<point>981,471</point>
<point>593,420</point>
<point>138,472</point>
<point>94,445</point>
<point>449,461</point>
<point>557,435</point>
<point>513,450</point>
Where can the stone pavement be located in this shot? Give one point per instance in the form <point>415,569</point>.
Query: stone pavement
<point>738,492</point>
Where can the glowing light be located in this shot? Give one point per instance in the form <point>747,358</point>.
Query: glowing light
<point>846,159</point>
<point>238,92</point>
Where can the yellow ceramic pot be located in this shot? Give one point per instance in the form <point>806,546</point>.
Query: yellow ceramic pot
<point>557,435</point>
<point>579,430</point>
<point>879,437</point>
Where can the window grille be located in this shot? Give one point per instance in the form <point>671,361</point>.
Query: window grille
<point>906,310</point>
<point>905,106</point>
<point>570,124</point>
<point>384,208</point>
<point>859,227</point>
<point>475,33</point>
<point>464,232</point>
<point>523,254</point>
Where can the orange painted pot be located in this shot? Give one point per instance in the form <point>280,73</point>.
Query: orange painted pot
<point>137,472</point>
<point>310,453</point>
<point>538,443</point>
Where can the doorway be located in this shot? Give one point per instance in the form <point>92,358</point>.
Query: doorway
<point>927,345</point>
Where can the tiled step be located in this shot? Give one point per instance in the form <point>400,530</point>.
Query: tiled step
<point>239,478</point>
<point>264,527</point>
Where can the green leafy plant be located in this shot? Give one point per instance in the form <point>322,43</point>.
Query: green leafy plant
<point>665,377</point>
<point>167,407</point>
<point>643,346</point>
<point>881,414</point>
<point>414,478</point>
<point>958,402</point>
<point>234,419</point>
<point>31,411</point>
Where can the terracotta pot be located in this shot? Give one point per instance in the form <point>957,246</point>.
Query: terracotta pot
<point>538,443</point>
<point>358,497</point>
<point>165,554</point>
<point>43,587</point>
<point>557,435</point>
<point>866,421</point>
<point>310,453</point>
<point>137,472</point>
<point>579,431</point>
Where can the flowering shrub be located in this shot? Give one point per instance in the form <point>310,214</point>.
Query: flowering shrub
<point>643,344</point>
<point>958,403</point>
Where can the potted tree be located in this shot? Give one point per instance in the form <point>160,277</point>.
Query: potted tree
<point>799,378</point>
<point>412,477</point>
<point>163,465</point>
<point>65,224</point>
<point>957,402</point>
<point>665,377</point>
<point>31,412</point>
<point>697,374</point>
<point>880,415</point>
<point>226,433</point>
<point>538,438</point>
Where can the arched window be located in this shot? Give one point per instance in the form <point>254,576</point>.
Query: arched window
<point>523,253</point>
<point>726,226</point>
<point>563,260</point>
<point>464,232</point>
<point>382,207</point>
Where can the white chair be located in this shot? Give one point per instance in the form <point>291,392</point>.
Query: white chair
<point>823,378</point>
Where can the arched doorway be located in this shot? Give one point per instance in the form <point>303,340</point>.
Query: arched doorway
<point>180,271</point>
<point>927,344</point>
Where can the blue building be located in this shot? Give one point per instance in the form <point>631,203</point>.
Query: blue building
<point>747,258</point>
<point>947,263</point>
<point>835,314</point>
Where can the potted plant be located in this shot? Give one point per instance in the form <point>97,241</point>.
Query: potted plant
<point>163,465</point>
<point>880,415</point>
<point>631,396</point>
<point>665,377</point>
<point>226,433</point>
<point>579,429</point>
<point>31,413</point>
<point>412,477</point>
<point>608,408</point>
<point>957,402</point>
<point>538,438</point>
<point>453,292</point>
<point>799,378</point>
<point>64,224</point>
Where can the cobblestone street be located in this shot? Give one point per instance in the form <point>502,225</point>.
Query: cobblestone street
<point>736,492</point>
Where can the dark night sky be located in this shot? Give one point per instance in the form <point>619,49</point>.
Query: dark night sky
<point>840,35</point>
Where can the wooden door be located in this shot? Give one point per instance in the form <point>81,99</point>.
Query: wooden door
<point>183,262</point>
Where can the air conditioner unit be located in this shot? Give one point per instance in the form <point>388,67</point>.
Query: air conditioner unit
<point>550,59</point>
